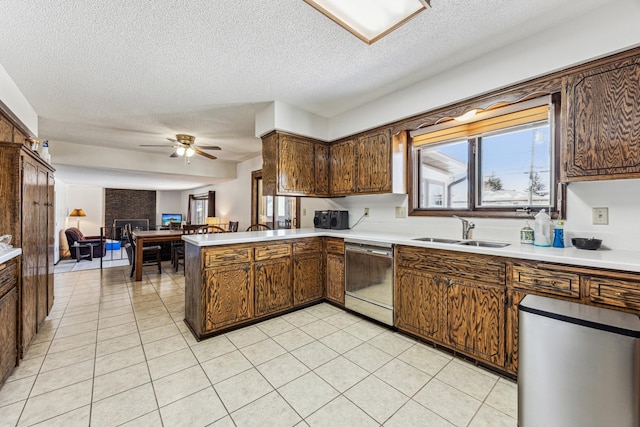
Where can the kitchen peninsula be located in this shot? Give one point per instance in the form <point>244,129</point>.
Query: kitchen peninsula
<point>457,296</point>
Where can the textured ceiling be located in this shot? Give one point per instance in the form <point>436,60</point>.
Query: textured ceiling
<point>121,74</point>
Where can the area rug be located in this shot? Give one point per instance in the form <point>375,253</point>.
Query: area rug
<point>111,259</point>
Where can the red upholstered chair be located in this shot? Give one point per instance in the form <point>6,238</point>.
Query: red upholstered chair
<point>99,246</point>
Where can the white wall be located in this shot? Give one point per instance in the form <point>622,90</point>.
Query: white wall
<point>233,198</point>
<point>60,215</point>
<point>169,202</point>
<point>620,196</point>
<point>91,200</point>
<point>613,27</point>
<point>15,101</point>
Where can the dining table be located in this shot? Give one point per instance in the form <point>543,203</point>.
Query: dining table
<point>151,236</point>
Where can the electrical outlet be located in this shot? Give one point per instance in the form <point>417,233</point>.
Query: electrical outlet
<point>366,212</point>
<point>401,212</point>
<point>600,216</point>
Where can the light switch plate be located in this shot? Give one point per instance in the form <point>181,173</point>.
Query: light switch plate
<point>600,216</point>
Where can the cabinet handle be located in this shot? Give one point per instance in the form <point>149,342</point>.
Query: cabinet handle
<point>36,203</point>
<point>437,280</point>
<point>447,282</point>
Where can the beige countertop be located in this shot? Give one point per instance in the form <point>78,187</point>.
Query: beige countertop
<point>601,258</point>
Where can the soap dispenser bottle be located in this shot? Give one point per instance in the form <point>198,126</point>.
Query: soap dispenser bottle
<point>558,235</point>
<point>542,229</point>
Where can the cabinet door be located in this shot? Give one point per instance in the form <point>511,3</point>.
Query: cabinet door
<point>51,240</point>
<point>8,333</point>
<point>603,129</point>
<point>335,278</point>
<point>228,295</point>
<point>418,307</point>
<point>296,166</point>
<point>373,163</point>
<point>321,169</point>
<point>474,319</point>
<point>342,170</point>
<point>307,278</point>
<point>30,252</point>
<point>273,286</point>
<point>514,298</point>
<point>42,229</point>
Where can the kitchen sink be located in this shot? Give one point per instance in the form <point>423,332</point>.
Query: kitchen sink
<point>436,240</point>
<point>483,244</point>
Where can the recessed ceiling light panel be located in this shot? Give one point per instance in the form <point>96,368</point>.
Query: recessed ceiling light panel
<point>370,20</point>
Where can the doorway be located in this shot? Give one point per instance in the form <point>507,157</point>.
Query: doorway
<point>278,212</point>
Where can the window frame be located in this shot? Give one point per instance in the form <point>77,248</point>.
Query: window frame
<point>473,210</point>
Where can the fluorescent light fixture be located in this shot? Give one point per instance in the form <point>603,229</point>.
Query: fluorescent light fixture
<point>370,20</point>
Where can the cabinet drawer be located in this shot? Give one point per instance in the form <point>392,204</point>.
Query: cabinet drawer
<point>8,276</point>
<point>335,246</point>
<point>307,246</point>
<point>462,265</point>
<point>263,252</point>
<point>229,254</point>
<point>615,292</point>
<point>550,282</point>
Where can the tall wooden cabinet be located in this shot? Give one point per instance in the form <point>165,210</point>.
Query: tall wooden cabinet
<point>27,198</point>
<point>603,122</point>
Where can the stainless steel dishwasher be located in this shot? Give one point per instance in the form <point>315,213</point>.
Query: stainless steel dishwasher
<point>369,279</point>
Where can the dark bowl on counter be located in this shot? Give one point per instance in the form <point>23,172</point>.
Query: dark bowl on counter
<point>589,244</point>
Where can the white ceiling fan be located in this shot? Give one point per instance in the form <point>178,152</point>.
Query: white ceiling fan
<point>184,145</point>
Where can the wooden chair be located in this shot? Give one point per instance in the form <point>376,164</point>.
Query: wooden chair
<point>258,227</point>
<point>233,226</point>
<point>213,229</point>
<point>178,255</point>
<point>150,254</point>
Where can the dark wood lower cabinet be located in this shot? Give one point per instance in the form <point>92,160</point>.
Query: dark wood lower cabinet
<point>307,278</point>
<point>8,333</point>
<point>438,298</point>
<point>335,278</point>
<point>273,290</point>
<point>228,295</point>
<point>474,319</point>
<point>418,308</point>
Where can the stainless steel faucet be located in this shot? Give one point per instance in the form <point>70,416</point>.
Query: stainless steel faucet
<point>467,226</point>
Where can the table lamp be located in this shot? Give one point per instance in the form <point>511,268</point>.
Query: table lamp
<point>212,220</point>
<point>78,213</point>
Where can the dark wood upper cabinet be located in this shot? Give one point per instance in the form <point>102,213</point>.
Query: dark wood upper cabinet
<point>294,165</point>
<point>342,168</point>
<point>373,162</point>
<point>603,122</point>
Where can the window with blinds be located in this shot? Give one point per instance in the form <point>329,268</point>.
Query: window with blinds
<point>502,159</point>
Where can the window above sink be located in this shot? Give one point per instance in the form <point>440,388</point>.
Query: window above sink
<point>498,163</point>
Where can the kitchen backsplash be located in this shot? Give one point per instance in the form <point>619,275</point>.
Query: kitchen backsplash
<point>621,197</point>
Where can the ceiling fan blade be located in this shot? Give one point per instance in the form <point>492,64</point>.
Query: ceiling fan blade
<point>209,147</point>
<point>174,154</point>
<point>172,140</point>
<point>202,153</point>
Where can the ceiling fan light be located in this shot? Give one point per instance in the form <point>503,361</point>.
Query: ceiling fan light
<point>180,151</point>
<point>190,152</point>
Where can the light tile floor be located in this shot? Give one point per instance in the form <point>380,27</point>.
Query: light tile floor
<point>116,352</point>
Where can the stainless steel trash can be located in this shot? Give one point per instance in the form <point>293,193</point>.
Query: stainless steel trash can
<point>578,365</point>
